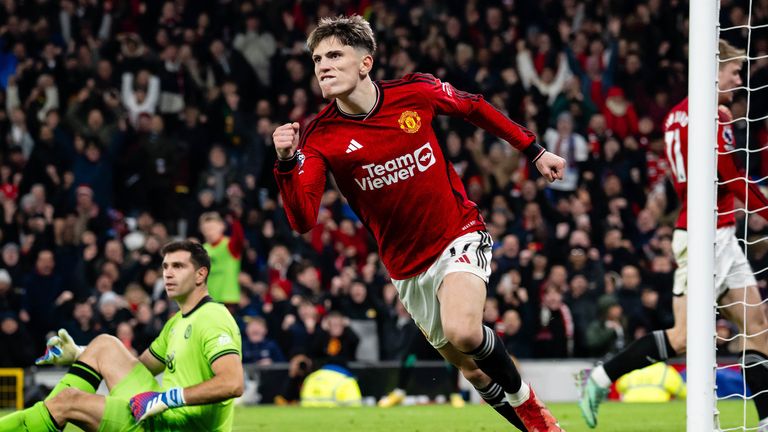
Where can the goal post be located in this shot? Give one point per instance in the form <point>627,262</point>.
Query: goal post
<point>702,189</point>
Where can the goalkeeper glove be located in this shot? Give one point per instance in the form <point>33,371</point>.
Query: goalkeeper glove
<point>148,404</point>
<point>60,350</point>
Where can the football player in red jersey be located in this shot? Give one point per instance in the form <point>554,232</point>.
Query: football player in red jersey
<point>376,138</point>
<point>733,272</point>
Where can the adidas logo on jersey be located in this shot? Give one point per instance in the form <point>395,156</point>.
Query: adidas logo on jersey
<point>353,145</point>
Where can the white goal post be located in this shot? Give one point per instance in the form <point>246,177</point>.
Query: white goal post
<point>702,190</point>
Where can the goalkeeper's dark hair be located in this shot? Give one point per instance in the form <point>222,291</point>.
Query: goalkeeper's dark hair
<point>198,254</point>
<point>353,30</point>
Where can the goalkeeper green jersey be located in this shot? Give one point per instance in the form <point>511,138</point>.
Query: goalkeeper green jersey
<point>188,345</point>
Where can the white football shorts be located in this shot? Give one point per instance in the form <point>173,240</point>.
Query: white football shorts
<point>732,270</point>
<point>469,253</point>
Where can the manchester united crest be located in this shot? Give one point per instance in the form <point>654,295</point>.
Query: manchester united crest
<point>410,121</point>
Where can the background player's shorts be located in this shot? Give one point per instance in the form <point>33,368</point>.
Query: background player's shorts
<point>469,253</point>
<point>732,270</point>
<point>117,411</point>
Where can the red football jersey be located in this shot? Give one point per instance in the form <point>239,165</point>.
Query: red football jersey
<point>733,180</point>
<point>392,171</point>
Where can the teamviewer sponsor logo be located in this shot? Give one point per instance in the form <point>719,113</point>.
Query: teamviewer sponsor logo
<point>397,169</point>
<point>424,157</point>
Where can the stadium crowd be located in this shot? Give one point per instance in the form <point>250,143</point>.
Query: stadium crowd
<point>124,122</point>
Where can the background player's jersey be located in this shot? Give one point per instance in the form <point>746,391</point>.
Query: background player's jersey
<point>188,345</point>
<point>390,167</point>
<point>676,140</point>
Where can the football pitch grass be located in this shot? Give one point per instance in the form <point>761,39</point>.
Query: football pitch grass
<point>663,417</point>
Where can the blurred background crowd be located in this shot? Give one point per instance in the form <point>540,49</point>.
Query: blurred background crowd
<point>126,123</point>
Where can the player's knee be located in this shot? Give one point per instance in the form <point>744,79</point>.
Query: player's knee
<point>465,338</point>
<point>104,341</point>
<point>102,347</point>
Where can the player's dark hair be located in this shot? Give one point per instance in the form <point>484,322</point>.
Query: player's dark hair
<point>198,254</point>
<point>353,30</point>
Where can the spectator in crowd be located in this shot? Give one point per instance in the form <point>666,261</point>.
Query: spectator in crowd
<point>226,253</point>
<point>257,347</point>
<point>82,327</point>
<point>365,315</point>
<point>45,298</point>
<point>607,334</point>
<point>10,300</point>
<point>515,337</point>
<point>564,141</point>
<point>335,342</point>
<point>554,337</point>
<point>19,352</point>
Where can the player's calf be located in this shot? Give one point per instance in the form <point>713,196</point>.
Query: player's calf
<point>76,406</point>
<point>492,358</point>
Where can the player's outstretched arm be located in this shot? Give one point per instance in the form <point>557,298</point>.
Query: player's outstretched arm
<point>60,350</point>
<point>227,383</point>
<point>451,101</point>
<point>551,166</point>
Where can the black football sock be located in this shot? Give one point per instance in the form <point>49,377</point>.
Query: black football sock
<point>649,349</point>
<point>492,358</point>
<point>494,395</point>
<point>756,375</point>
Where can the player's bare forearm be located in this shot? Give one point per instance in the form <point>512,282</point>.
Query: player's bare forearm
<point>227,383</point>
<point>151,362</point>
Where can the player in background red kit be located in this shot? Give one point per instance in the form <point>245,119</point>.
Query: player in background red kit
<point>377,140</point>
<point>733,272</point>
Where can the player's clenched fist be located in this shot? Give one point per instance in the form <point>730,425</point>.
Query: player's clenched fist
<point>551,166</point>
<point>286,139</point>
